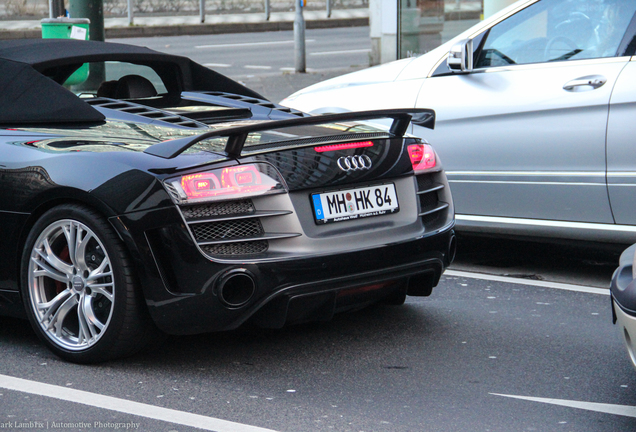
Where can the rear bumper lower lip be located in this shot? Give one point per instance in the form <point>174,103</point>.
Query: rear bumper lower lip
<point>302,276</point>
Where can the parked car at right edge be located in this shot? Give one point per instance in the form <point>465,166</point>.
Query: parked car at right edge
<point>623,290</point>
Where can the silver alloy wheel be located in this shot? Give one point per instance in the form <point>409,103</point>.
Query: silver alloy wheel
<point>71,285</point>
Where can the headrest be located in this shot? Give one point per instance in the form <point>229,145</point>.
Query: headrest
<point>134,87</point>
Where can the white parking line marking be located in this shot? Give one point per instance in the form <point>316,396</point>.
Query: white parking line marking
<point>257,67</point>
<point>622,410</point>
<point>125,406</point>
<point>218,65</point>
<point>544,284</point>
<point>340,52</point>
<point>251,44</point>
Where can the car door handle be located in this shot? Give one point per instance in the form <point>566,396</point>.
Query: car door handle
<point>590,82</point>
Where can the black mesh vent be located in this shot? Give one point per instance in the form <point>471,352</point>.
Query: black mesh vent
<point>240,248</point>
<point>425,182</point>
<point>254,101</point>
<point>227,229</point>
<point>218,209</point>
<point>428,201</point>
<point>172,190</point>
<point>232,229</point>
<point>431,218</point>
<point>142,110</point>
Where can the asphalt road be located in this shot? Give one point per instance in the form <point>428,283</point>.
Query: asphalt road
<point>468,358</point>
<point>567,262</point>
<point>246,54</point>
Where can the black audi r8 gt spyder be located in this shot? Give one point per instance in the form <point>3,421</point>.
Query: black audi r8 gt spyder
<point>144,194</point>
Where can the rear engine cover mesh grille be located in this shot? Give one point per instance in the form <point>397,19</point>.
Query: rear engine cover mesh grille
<point>218,209</point>
<point>238,248</point>
<point>230,229</point>
<point>227,229</point>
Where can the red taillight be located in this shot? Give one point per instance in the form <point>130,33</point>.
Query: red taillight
<point>240,176</point>
<point>422,157</point>
<point>200,185</point>
<point>227,183</point>
<point>334,147</point>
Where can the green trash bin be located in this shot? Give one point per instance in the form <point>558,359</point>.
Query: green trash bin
<point>68,28</point>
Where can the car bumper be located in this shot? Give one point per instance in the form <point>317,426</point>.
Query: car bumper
<point>187,293</point>
<point>623,291</point>
<point>627,325</point>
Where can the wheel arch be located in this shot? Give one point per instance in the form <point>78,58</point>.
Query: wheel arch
<point>63,197</point>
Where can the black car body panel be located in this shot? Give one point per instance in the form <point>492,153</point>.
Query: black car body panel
<point>215,194</point>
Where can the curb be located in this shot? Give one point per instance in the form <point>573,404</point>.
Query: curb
<point>20,34</point>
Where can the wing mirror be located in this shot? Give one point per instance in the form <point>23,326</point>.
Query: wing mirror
<point>460,56</point>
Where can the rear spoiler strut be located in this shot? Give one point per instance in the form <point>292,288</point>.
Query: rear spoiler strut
<point>238,134</point>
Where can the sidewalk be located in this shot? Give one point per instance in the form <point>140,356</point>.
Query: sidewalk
<point>144,26</point>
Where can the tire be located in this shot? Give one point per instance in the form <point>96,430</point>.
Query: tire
<point>78,288</point>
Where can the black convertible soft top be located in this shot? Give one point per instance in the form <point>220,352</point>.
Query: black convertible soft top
<point>32,71</point>
<point>42,53</point>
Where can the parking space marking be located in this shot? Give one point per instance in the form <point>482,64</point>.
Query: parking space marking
<point>622,410</point>
<point>518,281</point>
<point>217,65</point>
<point>125,406</point>
<point>251,44</point>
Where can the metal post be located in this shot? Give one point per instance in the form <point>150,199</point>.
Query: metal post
<point>201,11</point>
<point>328,8</point>
<point>130,13</point>
<point>299,38</point>
<point>94,11</point>
<point>267,10</point>
<point>56,8</point>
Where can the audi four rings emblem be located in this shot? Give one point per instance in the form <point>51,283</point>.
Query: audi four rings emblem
<point>353,163</point>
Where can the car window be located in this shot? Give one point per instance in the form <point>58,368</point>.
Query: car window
<point>112,72</point>
<point>557,30</point>
<point>116,70</point>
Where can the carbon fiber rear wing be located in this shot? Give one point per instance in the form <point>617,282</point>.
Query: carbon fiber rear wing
<point>238,134</point>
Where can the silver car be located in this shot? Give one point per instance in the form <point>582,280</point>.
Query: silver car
<point>536,117</point>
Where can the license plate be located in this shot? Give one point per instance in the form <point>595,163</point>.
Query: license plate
<point>356,203</point>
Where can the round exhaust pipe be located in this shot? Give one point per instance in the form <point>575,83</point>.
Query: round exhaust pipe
<point>236,287</point>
